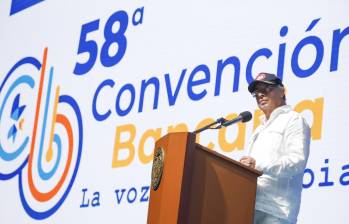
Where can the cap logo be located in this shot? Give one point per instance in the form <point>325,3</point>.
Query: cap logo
<point>261,76</point>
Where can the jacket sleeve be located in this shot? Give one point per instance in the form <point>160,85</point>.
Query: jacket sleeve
<point>295,152</point>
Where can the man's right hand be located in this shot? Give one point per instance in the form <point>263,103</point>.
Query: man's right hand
<point>248,161</point>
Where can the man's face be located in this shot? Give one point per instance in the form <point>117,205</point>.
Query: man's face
<point>268,96</point>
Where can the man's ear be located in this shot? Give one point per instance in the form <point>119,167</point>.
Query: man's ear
<point>283,90</point>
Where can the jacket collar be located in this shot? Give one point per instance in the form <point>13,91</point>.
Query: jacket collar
<point>276,112</point>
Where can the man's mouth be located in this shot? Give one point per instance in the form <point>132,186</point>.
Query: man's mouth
<point>263,102</point>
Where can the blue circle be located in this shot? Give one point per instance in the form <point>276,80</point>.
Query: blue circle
<point>36,63</point>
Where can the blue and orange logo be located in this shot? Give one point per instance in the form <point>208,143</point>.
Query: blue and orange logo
<point>41,136</point>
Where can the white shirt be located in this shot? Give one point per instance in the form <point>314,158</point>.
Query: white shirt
<point>280,146</point>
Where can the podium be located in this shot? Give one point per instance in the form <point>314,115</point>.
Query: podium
<point>192,184</point>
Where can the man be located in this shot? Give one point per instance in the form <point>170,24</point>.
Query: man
<point>279,148</point>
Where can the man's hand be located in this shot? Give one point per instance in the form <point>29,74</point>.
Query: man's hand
<point>248,161</point>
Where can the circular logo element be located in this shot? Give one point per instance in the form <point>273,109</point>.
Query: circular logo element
<point>41,136</point>
<point>158,166</point>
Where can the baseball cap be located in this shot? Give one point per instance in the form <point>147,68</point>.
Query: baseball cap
<point>264,77</point>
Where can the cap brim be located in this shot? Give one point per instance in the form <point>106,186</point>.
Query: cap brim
<point>253,84</point>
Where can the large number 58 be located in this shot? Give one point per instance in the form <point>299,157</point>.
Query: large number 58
<point>91,47</point>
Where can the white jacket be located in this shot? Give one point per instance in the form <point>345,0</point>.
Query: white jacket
<point>280,146</point>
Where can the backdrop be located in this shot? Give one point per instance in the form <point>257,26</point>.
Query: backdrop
<point>86,87</point>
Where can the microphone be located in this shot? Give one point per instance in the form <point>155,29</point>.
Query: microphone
<point>219,121</point>
<point>243,116</point>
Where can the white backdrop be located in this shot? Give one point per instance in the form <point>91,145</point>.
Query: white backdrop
<point>129,71</point>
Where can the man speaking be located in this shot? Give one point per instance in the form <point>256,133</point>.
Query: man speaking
<point>280,148</point>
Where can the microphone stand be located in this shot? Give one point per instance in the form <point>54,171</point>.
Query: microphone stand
<point>219,121</point>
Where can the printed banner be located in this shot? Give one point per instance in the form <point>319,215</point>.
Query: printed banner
<point>87,87</point>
